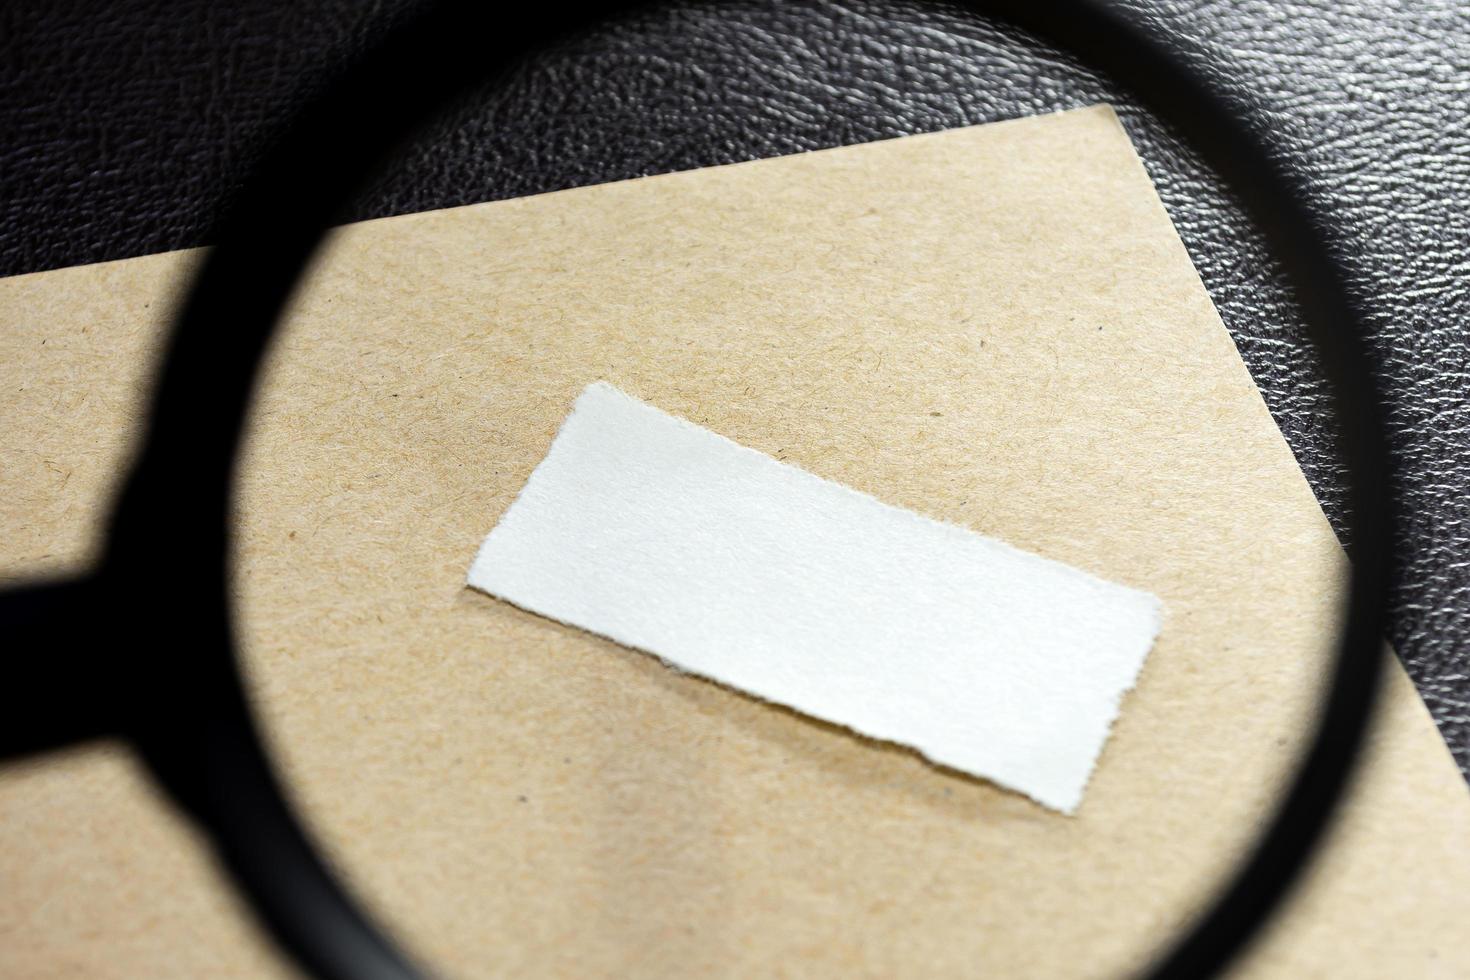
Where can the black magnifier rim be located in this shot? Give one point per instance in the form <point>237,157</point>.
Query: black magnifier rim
<point>206,750</point>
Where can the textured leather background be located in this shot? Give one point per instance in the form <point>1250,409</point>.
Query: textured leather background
<point>123,129</point>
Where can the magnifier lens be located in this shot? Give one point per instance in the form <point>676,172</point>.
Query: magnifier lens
<point>995,328</point>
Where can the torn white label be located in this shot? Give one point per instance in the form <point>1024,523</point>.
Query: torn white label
<point>724,562</point>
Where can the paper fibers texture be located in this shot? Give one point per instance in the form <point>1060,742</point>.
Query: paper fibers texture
<point>727,563</point>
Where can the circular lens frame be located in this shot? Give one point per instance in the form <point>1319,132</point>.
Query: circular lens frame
<point>202,741</point>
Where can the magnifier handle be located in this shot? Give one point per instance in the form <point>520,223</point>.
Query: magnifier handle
<point>61,682</point>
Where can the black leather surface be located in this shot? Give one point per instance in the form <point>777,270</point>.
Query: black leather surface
<point>124,127</point>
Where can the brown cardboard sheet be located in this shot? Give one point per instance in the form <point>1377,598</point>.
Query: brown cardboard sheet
<point>995,326</point>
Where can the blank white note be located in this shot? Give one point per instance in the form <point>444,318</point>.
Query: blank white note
<point>726,563</point>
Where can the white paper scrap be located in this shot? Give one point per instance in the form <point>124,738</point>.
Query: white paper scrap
<point>726,563</point>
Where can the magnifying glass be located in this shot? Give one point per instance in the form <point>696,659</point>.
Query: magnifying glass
<point>181,702</point>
